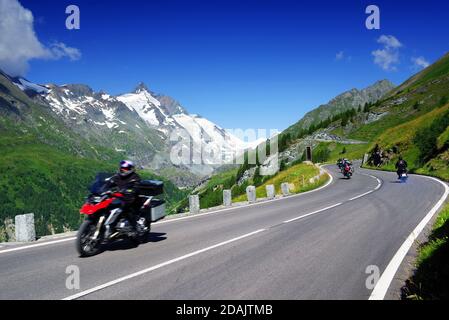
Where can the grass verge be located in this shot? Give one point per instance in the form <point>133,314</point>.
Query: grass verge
<point>430,281</point>
<point>298,175</point>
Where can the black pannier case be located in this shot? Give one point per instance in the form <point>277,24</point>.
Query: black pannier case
<point>154,212</point>
<point>151,188</point>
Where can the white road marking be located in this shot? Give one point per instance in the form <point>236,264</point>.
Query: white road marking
<point>312,213</point>
<point>36,245</point>
<point>379,185</point>
<point>139,273</point>
<point>362,195</point>
<point>249,205</point>
<point>184,218</point>
<point>385,280</point>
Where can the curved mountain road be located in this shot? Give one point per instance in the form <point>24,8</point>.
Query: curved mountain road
<point>312,246</point>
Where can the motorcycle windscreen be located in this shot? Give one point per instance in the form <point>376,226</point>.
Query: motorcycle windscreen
<point>100,183</point>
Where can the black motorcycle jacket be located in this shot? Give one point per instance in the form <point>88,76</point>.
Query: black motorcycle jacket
<point>126,185</point>
<point>401,165</point>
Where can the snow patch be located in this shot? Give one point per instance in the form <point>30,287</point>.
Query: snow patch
<point>144,104</point>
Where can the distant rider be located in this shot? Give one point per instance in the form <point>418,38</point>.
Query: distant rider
<point>340,164</point>
<point>348,163</point>
<point>401,167</point>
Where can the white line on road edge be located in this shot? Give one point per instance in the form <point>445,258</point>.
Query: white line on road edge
<point>139,273</point>
<point>36,245</point>
<point>312,213</point>
<point>188,217</point>
<point>250,205</point>
<point>385,280</point>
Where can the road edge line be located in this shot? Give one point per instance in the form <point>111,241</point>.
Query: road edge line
<point>43,244</point>
<point>380,290</point>
<point>328,183</point>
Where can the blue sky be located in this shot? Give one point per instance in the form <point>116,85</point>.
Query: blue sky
<point>242,64</point>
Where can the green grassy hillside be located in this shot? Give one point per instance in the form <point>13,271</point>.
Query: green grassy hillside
<point>409,138</point>
<point>36,178</point>
<point>297,175</point>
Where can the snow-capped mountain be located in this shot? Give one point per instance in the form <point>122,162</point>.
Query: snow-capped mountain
<point>142,125</point>
<point>168,116</point>
<point>25,85</point>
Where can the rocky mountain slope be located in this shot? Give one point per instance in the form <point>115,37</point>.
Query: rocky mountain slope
<point>351,99</point>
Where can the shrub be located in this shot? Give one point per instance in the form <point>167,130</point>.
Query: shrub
<point>426,139</point>
<point>321,154</point>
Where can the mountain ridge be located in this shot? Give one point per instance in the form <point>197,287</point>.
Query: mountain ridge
<point>347,100</point>
<point>140,124</point>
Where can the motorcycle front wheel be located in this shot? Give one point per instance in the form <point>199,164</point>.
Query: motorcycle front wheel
<point>85,245</point>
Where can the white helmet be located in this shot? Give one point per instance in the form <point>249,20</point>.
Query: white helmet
<point>126,168</point>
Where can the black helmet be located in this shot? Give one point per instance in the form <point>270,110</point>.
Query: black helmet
<point>126,168</point>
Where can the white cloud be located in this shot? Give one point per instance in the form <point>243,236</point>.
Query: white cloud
<point>339,56</point>
<point>389,42</point>
<point>387,57</point>
<point>19,43</point>
<point>420,62</point>
<point>60,50</point>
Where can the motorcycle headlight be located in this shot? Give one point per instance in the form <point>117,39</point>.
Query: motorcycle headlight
<point>96,199</point>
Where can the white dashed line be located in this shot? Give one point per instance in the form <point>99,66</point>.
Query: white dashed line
<point>164,264</point>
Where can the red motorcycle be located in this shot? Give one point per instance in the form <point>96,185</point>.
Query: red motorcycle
<point>348,171</point>
<point>103,214</point>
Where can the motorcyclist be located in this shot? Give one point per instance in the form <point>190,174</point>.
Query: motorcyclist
<point>340,163</point>
<point>125,181</point>
<point>401,167</point>
<point>346,162</point>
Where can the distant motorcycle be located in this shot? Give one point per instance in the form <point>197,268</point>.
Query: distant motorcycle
<point>347,171</point>
<point>100,212</point>
<point>403,176</point>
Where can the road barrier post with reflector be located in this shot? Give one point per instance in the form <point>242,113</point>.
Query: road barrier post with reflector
<point>285,187</point>
<point>251,194</point>
<point>270,191</point>
<point>194,204</point>
<point>25,229</point>
<point>227,198</point>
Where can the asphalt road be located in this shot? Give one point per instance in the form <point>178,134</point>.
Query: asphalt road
<point>313,246</point>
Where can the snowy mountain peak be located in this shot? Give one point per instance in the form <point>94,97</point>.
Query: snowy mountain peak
<point>141,120</point>
<point>79,90</point>
<point>142,87</point>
